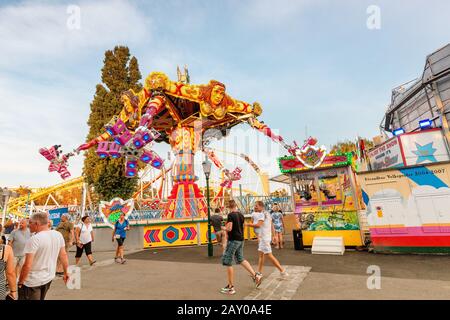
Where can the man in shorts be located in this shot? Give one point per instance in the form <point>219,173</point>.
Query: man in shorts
<point>265,230</point>
<point>17,239</point>
<point>235,248</point>
<point>219,230</point>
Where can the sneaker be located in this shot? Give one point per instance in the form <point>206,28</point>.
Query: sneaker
<point>117,260</point>
<point>284,273</point>
<point>228,290</point>
<point>258,279</point>
<point>122,261</point>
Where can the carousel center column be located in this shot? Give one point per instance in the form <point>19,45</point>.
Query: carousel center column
<point>186,200</point>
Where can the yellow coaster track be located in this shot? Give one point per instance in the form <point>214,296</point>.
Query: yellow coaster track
<point>15,204</point>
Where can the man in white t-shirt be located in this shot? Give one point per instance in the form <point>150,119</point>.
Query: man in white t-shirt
<point>42,251</point>
<point>262,223</point>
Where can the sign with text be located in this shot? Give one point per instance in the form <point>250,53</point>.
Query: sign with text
<point>386,155</point>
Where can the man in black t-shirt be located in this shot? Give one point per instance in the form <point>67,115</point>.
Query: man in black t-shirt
<point>235,248</point>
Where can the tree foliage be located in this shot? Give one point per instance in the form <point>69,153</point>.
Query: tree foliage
<point>119,73</point>
<point>350,146</point>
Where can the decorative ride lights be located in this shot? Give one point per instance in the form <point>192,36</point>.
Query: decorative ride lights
<point>207,170</point>
<point>135,147</point>
<point>177,113</point>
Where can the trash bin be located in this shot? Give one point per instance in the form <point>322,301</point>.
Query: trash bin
<point>298,239</point>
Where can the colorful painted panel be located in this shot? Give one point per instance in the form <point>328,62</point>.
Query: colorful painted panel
<point>182,234</point>
<point>424,147</point>
<point>329,221</point>
<point>164,235</point>
<point>112,210</point>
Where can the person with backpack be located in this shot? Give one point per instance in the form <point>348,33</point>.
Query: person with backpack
<point>120,233</point>
<point>7,273</point>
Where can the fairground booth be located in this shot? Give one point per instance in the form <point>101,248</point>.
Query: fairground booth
<point>407,187</point>
<point>324,196</point>
<point>407,193</point>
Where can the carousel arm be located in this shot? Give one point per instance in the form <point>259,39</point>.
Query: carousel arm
<point>213,157</point>
<point>153,107</point>
<point>262,127</point>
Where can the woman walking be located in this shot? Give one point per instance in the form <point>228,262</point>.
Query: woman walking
<point>278,224</point>
<point>7,273</point>
<point>84,235</point>
<point>120,233</point>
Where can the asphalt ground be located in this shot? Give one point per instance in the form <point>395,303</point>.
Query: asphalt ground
<point>426,267</point>
<point>187,273</point>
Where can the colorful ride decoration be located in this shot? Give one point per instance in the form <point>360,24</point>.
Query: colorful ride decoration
<point>58,162</point>
<point>227,177</point>
<point>180,233</point>
<point>112,210</point>
<point>177,113</point>
<point>134,146</point>
<point>310,155</point>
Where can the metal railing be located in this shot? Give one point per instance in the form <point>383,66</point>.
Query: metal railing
<point>147,215</point>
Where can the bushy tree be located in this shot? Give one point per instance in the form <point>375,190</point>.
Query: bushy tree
<point>119,73</point>
<point>350,146</point>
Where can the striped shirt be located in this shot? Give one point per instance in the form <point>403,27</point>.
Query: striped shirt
<point>2,273</point>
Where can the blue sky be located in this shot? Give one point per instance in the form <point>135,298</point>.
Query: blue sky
<point>311,64</point>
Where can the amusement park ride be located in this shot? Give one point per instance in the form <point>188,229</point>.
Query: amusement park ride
<point>188,117</point>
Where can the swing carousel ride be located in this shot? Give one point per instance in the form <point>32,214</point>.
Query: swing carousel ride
<point>188,117</point>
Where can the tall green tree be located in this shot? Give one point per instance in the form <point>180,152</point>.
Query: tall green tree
<point>119,73</point>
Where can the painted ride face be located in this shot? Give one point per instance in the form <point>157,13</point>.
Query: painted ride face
<point>217,95</point>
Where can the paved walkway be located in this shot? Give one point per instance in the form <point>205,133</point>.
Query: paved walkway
<point>276,287</point>
<point>188,273</point>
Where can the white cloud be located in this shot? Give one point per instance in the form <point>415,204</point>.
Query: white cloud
<point>32,31</point>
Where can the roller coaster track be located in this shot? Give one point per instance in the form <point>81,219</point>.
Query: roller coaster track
<point>15,204</point>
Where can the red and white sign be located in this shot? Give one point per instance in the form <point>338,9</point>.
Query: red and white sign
<point>386,155</point>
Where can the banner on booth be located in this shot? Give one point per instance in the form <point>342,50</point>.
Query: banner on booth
<point>55,215</point>
<point>386,155</point>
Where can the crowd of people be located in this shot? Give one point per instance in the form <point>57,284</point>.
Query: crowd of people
<point>32,253</point>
